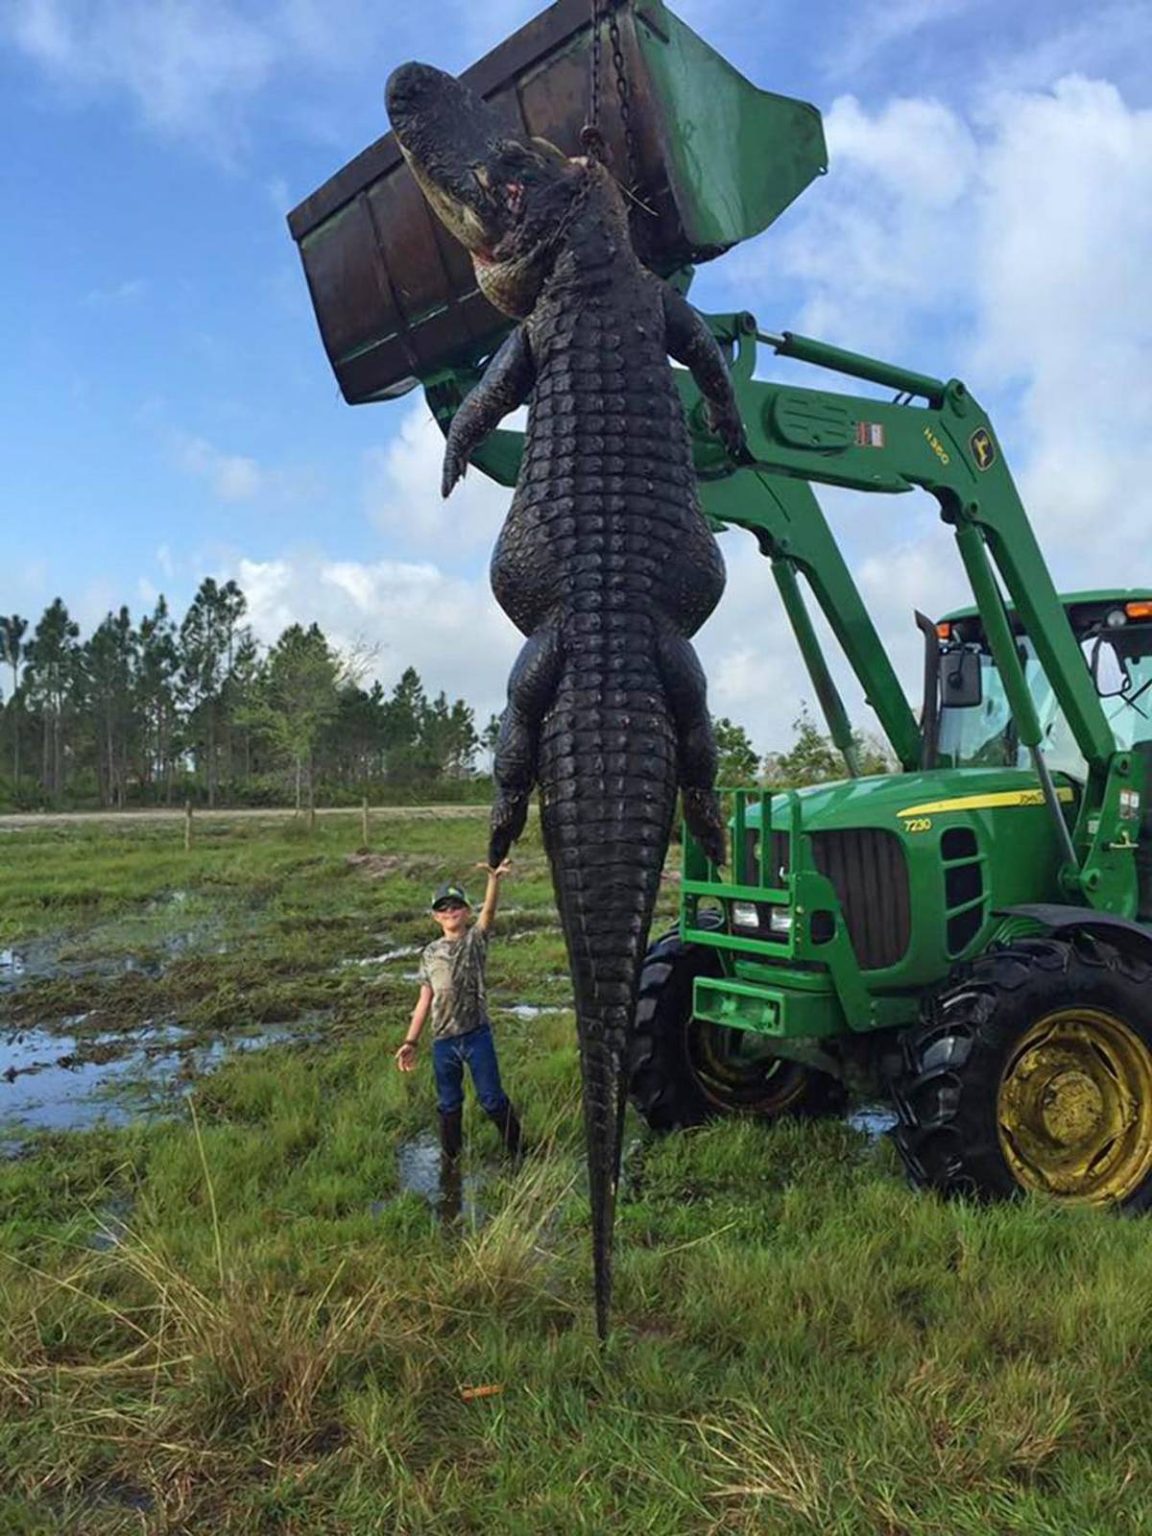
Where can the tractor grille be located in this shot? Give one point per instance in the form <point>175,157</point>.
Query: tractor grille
<point>866,866</point>
<point>778,861</point>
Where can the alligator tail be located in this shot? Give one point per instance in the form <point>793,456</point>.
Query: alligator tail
<point>606,713</point>
<point>608,781</point>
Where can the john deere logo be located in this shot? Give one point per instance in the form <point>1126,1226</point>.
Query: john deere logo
<point>983,448</point>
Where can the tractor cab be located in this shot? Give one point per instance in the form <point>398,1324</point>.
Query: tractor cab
<point>976,727</point>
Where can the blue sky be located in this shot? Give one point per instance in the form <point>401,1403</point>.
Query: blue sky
<point>169,412</point>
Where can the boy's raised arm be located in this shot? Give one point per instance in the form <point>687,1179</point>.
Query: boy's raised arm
<point>491,894</point>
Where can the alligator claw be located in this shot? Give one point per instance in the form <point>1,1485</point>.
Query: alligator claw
<point>724,421</point>
<point>455,466</point>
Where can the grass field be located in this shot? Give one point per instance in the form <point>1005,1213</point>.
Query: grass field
<point>231,1318</point>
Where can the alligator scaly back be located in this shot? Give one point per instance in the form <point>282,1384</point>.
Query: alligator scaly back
<point>605,561</point>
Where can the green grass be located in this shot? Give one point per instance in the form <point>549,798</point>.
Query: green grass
<point>272,1338</point>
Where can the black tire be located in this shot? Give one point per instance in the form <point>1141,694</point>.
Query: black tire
<point>686,1071</point>
<point>1032,1070</point>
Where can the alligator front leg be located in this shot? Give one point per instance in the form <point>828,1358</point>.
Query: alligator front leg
<point>506,384</point>
<point>690,342</point>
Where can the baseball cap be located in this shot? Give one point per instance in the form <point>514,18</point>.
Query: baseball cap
<point>446,893</point>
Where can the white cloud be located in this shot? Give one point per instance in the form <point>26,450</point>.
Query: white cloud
<point>882,24</point>
<point>885,237</point>
<point>1011,248</point>
<point>180,60</point>
<point>232,476</point>
<point>194,67</point>
<point>1108,39</point>
<point>402,493</point>
<point>403,614</point>
<point>1065,309</point>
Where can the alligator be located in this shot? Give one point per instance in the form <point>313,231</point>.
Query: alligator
<point>605,561</point>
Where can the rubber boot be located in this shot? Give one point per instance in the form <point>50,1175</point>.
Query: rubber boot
<point>451,1174</point>
<point>507,1123</point>
<point>451,1134</point>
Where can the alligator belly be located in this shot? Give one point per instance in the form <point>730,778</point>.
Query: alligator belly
<point>636,536</point>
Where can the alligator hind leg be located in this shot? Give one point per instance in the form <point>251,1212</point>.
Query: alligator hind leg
<point>687,694</point>
<point>531,688</point>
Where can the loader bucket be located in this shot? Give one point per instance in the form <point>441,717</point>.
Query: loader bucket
<point>717,159</point>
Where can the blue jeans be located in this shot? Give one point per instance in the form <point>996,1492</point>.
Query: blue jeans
<point>478,1049</point>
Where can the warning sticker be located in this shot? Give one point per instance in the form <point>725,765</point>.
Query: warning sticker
<point>869,434</point>
<point>983,448</point>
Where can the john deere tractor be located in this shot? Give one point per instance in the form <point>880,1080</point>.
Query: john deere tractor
<point>971,935</point>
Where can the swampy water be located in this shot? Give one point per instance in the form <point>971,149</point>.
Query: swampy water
<point>54,1080</point>
<point>79,1044</point>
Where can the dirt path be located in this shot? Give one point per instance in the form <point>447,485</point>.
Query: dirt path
<point>21,819</point>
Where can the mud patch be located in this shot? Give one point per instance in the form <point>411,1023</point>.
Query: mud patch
<point>376,866</point>
<point>116,952</point>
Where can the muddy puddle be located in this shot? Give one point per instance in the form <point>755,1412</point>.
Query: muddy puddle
<point>451,1192</point>
<point>110,1224</point>
<point>53,1080</point>
<point>49,958</point>
<point>401,952</point>
<point>531,1010</point>
<point>875,1120</point>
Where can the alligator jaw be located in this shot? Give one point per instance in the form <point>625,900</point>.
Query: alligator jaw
<point>447,135</point>
<point>502,197</point>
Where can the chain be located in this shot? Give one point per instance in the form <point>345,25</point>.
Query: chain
<point>591,137</point>
<point>624,92</point>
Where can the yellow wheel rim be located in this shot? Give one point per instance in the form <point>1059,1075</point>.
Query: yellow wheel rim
<point>734,1074</point>
<point>1074,1110</point>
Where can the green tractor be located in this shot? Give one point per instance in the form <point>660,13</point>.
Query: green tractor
<point>970,936</point>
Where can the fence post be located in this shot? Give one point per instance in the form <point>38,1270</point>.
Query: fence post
<point>187,825</point>
<point>364,822</point>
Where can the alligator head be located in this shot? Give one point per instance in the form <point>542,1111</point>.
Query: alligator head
<point>504,197</point>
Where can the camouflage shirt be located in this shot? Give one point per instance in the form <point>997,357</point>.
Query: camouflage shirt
<point>454,969</point>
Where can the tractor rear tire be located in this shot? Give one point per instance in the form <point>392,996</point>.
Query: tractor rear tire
<point>686,1071</point>
<point>1032,1072</point>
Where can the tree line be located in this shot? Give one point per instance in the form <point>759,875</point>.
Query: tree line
<point>159,712</point>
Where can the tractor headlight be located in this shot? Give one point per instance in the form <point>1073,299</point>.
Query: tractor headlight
<point>754,918</point>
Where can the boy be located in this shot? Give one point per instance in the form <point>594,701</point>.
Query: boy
<point>452,991</point>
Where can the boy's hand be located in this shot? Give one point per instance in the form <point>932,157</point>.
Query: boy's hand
<point>406,1057</point>
<point>499,871</point>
